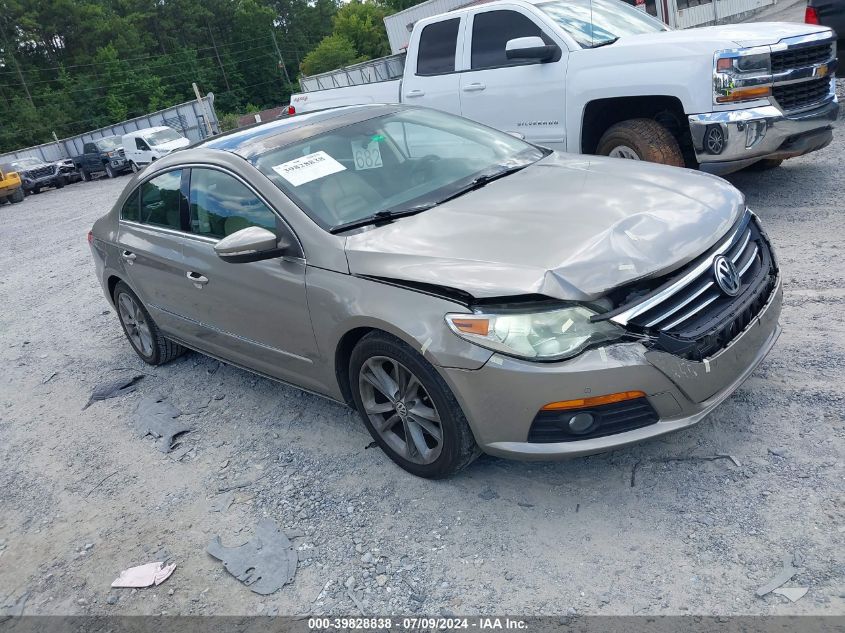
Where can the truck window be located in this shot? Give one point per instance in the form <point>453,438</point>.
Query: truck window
<point>89,148</point>
<point>437,46</point>
<point>490,33</point>
<point>141,144</point>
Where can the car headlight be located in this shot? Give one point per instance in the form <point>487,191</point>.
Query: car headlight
<point>741,75</point>
<point>542,335</point>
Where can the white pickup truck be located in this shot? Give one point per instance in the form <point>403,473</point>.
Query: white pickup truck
<point>601,77</point>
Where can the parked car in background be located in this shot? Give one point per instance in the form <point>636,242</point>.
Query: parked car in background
<point>828,13</point>
<point>142,147</point>
<point>601,77</point>
<point>68,170</point>
<point>464,290</point>
<point>11,188</point>
<point>103,156</point>
<point>36,174</point>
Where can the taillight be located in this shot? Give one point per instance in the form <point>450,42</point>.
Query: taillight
<point>291,110</point>
<point>811,16</point>
<point>90,237</point>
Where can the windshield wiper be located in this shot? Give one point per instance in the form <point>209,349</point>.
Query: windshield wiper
<point>480,181</point>
<point>381,217</point>
<point>604,42</point>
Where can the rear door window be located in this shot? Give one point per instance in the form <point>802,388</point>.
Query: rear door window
<point>222,205</point>
<point>491,32</point>
<point>437,46</point>
<point>162,201</point>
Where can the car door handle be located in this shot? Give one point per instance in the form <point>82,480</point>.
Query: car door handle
<point>128,256</point>
<point>198,280</point>
<point>474,87</point>
<point>414,93</point>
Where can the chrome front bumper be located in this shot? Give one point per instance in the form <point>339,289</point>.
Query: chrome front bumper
<point>750,135</point>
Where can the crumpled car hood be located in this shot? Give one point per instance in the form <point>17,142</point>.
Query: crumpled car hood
<point>568,227</point>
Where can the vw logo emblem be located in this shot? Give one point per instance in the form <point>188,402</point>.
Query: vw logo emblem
<point>401,409</point>
<point>726,275</point>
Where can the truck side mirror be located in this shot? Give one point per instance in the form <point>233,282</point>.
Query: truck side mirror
<point>530,48</point>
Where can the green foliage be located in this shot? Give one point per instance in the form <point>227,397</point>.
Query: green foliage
<point>332,52</point>
<point>362,24</point>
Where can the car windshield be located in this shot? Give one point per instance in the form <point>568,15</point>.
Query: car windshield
<point>109,143</point>
<point>396,163</point>
<point>163,136</point>
<point>23,163</point>
<point>594,23</point>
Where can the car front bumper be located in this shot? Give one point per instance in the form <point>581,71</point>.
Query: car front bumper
<point>725,142</point>
<point>501,399</point>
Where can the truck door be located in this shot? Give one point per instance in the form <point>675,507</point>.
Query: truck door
<point>91,157</point>
<point>431,78</point>
<point>520,96</point>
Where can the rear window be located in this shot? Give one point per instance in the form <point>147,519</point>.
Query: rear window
<point>438,42</point>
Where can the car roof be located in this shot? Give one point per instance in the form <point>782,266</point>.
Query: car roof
<point>146,130</point>
<point>256,139</point>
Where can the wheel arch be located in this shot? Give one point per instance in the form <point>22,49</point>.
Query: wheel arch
<point>601,114</point>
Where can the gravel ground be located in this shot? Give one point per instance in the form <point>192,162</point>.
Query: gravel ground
<point>84,497</point>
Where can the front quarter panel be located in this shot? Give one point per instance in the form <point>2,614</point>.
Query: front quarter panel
<point>340,303</point>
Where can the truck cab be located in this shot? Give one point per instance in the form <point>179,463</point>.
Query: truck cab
<point>104,155</point>
<point>602,77</point>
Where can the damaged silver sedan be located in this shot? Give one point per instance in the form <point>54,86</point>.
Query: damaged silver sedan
<point>464,290</point>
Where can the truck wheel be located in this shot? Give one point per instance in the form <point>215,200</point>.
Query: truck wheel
<point>60,182</point>
<point>109,171</point>
<point>17,196</point>
<point>36,190</point>
<point>85,175</point>
<point>133,167</point>
<point>641,139</point>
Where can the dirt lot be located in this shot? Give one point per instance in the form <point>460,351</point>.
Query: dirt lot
<point>84,497</point>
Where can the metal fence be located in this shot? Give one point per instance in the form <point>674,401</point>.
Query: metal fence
<point>189,119</point>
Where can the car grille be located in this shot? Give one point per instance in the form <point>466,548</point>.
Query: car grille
<point>802,95</point>
<point>552,426</point>
<point>801,56</point>
<point>690,315</point>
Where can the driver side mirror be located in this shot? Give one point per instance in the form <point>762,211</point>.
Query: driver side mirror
<point>251,244</point>
<point>530,48</point>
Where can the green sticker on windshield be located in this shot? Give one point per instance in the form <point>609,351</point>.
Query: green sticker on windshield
<point>377,138</point>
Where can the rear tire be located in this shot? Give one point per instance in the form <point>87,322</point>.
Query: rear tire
<point>428,408</point>
<point>641,139</point>
<point>140,329</point>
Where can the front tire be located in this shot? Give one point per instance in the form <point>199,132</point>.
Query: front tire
<point>140,329</point>
<point>134,167</point>
<point>85,175</point>
<point>641,139</point>
<point>60,182</point>
<point>109,171</point>
<point>18,196</point>
<point>408,408</point>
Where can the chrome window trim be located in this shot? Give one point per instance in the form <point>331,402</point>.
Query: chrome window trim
<point>203,238</point>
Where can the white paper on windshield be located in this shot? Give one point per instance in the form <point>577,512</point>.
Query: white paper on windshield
<point>366,157</point>
<point>311,167</point>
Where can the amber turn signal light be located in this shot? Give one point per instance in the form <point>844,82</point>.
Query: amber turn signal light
<point>472,326</point>
<point>583,403</point>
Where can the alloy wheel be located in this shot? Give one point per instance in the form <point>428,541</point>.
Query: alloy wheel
<point>400,409</point>
<point>135,324</point>
<point>623,151</point>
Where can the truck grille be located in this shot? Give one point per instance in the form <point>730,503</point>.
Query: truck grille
<point>121,153</point>
<point>802,95</point>
<point>40,172</point>
<point>690,315</point>
<point>800,57</point>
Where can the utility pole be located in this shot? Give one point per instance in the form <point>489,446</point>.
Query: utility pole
<point>214,44</point>
<point>17,67</point>
<point>279,53</point>
<point>204,110</point>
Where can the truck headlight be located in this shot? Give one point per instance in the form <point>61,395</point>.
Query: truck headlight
<point>741,75</point>
<point>542,335</point>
